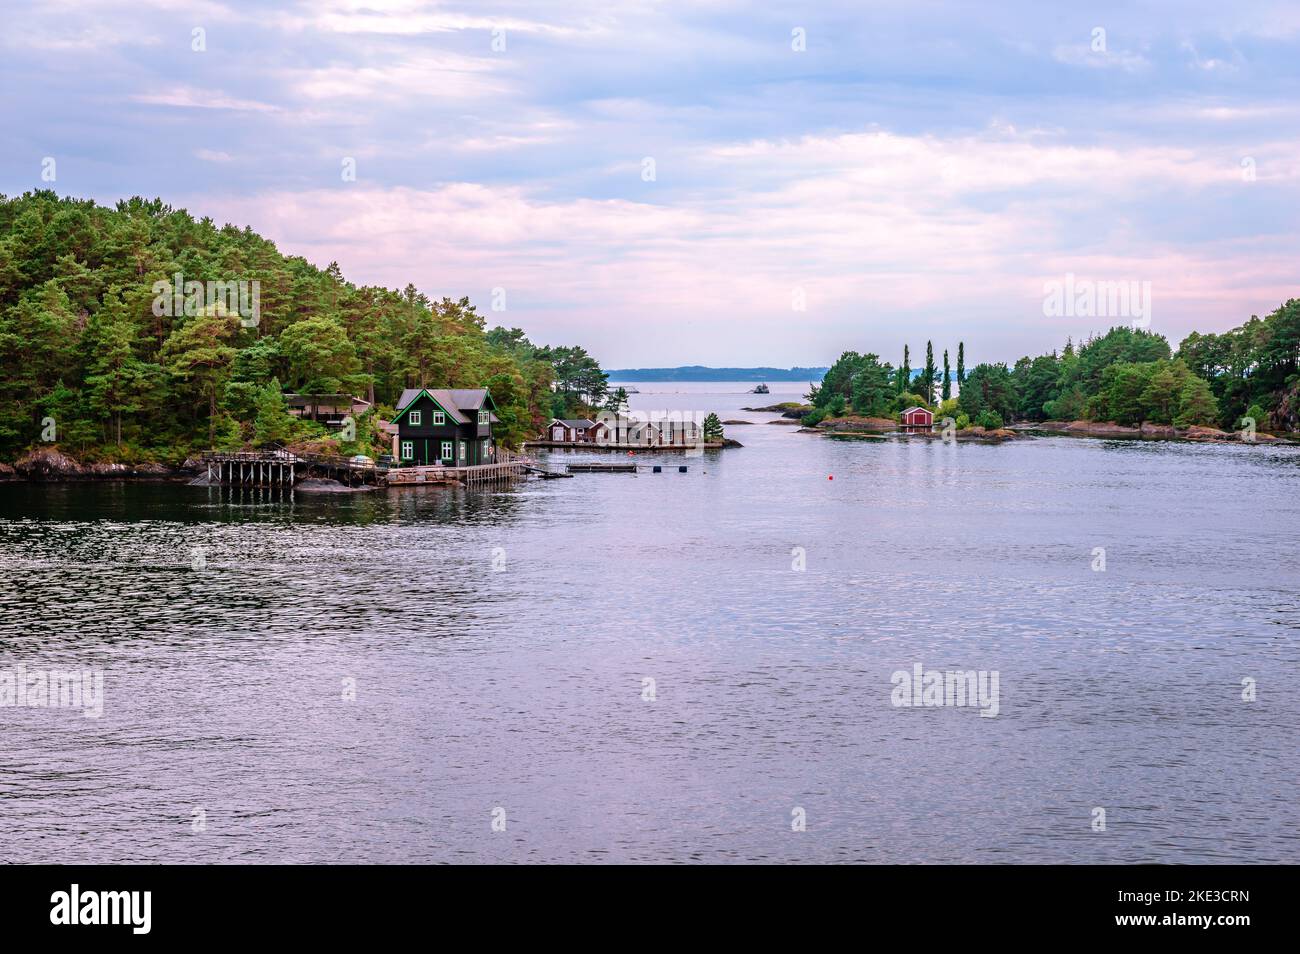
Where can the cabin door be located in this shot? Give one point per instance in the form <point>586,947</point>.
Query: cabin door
<point>557,433</point>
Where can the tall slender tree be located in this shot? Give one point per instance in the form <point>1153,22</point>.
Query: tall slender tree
<point>931,372</point>
<point>905,372</point>
<point>947,377</point>
<point>961,363</point>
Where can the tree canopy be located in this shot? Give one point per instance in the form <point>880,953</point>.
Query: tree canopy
<point>131,373</point>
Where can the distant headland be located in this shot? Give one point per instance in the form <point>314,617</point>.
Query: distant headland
<point>697,372</point>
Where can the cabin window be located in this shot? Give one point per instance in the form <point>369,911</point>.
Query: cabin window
<point>413,418</point>
<point>439,418</point>
<point>483,451</point>
<point>408,450</point>
<point>446,450</point>
<point>482,417</point>
<point>462,451</point>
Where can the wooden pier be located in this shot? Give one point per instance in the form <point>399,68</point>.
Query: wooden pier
<point>602,468</point>
<point>280,468</point>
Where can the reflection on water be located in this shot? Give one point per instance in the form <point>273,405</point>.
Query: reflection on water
<point>499,643</point>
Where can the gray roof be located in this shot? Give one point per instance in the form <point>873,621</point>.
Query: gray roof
<point>455,400</point>
<point>575,422</point>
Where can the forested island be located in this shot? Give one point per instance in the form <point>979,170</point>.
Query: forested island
<point>1127,377</point>
<point>112,348</point>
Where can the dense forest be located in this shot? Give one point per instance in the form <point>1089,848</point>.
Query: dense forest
<point>100,357</point>
<point>1127,375</point>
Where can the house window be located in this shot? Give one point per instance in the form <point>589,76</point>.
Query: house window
<point>408,450</point>
<point>413,418</point>
<point>482,417</point>
<point>462,451</point>
<point>439,418</point>
<point>483,452</point>
<point>446,450</point>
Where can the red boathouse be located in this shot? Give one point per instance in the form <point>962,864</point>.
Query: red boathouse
<point>917,419</point>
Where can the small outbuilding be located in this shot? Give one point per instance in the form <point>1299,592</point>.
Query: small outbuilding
<point>917,419</point>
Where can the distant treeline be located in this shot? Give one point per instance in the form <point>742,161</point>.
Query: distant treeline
<point>139,333</point>
<point>1127,375</point>
<point>696,372</point>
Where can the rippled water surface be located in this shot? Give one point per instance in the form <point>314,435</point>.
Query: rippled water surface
<point>522,688</point>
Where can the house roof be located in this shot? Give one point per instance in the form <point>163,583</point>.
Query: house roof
<point>324,400</point>
<point>917,408</point>
<point>455,401</point>
<point>574,422</point>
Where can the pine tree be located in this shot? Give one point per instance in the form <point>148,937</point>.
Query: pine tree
<point>712,428</point>
<point>273,423</point>
<point>947,377</point>
<point>931,373</point>
<point>116,380</point>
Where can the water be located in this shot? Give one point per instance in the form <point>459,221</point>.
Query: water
<point>522,689</point>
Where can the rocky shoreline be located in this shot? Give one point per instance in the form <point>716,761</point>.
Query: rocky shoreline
<point>1106,430</point>
<point>49,464</point>
<point>1157,432</point>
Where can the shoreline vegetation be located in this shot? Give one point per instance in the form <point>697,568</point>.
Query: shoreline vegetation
<point>133,338</point>
<point>97,381</point>
<point>1242,385</point>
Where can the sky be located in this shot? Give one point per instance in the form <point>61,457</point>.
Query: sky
<point>703,182</point>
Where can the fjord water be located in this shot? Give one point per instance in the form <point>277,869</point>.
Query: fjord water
<point>523,688</point>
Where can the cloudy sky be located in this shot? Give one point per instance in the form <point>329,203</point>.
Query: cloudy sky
<point>668,183</point>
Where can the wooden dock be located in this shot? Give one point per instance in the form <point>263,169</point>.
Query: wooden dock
<point>602,468</point>
<point>280,468</point>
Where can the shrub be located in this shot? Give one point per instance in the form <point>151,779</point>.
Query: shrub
<point>962,421</point>
<point>989,420</point>
<point>1259,415</point>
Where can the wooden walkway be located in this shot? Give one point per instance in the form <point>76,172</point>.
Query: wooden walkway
<point>602,468</point>
<point>279,468</point>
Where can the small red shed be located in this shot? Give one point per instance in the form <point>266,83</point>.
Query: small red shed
<point>917,419</point>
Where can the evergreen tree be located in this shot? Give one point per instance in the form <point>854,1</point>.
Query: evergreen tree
<point>905,373</point>
<point>961,364</point>
<point>273,423</point>
<point>117,382</point>
<point>947,377</point>
<point>930,374</point>
<point>712,428</point>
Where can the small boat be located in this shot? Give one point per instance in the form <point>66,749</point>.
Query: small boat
<point>761,389</point>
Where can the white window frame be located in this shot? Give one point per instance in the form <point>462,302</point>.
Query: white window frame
<point>445,452</point>
<point>461,450</point>
<point>414,418</point>
<point>408,450</point>
<point>439,418</point>
<point>483,452</point>
<point>483,417</point>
